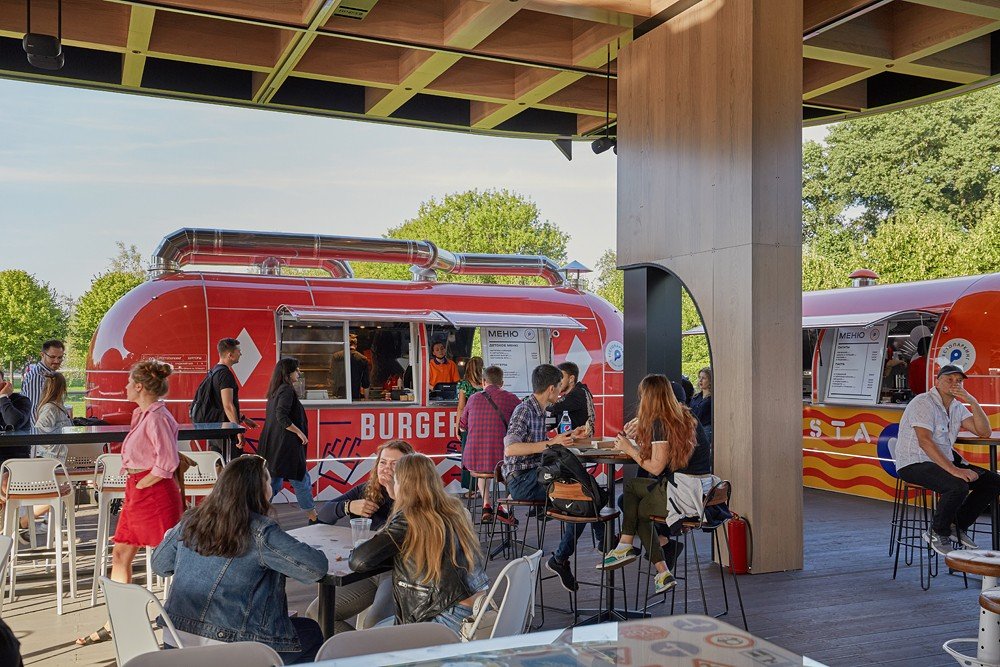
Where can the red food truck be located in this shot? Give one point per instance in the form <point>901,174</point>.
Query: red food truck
<point>179,315</point>
<point>867,350</point>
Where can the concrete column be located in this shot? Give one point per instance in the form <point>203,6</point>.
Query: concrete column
<point>709,187</point>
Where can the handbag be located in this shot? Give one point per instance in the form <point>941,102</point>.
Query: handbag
<point>183,464</point>
<point>489,619</point>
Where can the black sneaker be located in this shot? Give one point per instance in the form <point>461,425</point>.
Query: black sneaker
<point>939,543</point>
<point>565,574</point>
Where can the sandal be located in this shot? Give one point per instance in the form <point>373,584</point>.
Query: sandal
<point>468,495</point>
<point>102,634</point>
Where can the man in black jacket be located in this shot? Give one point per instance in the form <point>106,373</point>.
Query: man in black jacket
<point>15,415</point>
<point>575,398</point>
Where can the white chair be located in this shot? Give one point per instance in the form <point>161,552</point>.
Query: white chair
<point>6,544</point>
<point>81,460</point>
<point>131,622</point>
<point>534,563</point>
<point>244,654</point>
<point>385,639</point>
<point>40,481</point>
<point>514,612</point>
<point>199,479</point>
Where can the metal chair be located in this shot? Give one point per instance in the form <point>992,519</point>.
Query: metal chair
<point>81,460</point>
<point>6,544</point>
<point>244,654</point>
<point>385,639</point>
<point>131,622</point>
<point>718,495</point>
<point>573,491</point>
<point>41,481</point>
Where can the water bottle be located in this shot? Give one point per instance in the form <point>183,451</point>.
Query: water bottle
<point>565,423</point>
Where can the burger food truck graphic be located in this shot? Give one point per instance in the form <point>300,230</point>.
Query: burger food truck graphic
<point>179,315</point>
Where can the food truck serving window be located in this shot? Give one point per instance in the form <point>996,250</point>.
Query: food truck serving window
<point>352,354</point>
<point>881,362</point>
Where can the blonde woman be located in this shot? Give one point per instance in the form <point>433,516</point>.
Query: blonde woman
<point>662,441</point>
<point>471,384</point>
<point>373,500</point>
<point>437,565</point>
<point>51,414</point>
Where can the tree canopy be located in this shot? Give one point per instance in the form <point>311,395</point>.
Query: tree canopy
<point>29,314</point>
<point>104,292</point>
<point>487,221</point>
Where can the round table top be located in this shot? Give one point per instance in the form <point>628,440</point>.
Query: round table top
<point>969,439</point>
<point>983,562</point>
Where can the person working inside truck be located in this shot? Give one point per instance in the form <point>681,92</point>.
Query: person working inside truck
<point>522,455</point>
<point>441,369</point>
<point>925,455</point>
<point>360,370</point>
<point>575,399</point>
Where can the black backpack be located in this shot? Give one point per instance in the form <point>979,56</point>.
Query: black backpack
<point>205,407</point>
<point>559,465</point>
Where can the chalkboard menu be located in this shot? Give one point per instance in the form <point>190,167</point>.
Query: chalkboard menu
<point>856,368</point>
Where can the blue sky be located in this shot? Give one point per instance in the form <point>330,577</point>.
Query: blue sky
<point>82,169</point>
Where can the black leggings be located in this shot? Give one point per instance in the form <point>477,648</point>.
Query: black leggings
<point>961,502</point>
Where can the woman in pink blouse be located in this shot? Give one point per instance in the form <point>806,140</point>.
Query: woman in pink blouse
<point>149,454</point>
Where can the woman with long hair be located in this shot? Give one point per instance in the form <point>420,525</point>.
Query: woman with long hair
<point>152,504</point>
<point>285,436</point>
<point>51,414</point>
<point>664,440</point>
<point>373,500</point>
<point>229,561</point>
<point>437,565</point>
<point>469,385</point>
<point>701,402</point>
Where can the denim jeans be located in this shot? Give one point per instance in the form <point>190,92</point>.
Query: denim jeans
<point>451,618</point>
<point>311,638</point>
<point>961,502</point>
<point>302,488</point>
<point>526,487</point>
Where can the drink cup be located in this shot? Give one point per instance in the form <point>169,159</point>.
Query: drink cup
<point>361,530</point>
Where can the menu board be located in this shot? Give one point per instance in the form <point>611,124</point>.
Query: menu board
<point>856,369</point>
<point>516,351</point>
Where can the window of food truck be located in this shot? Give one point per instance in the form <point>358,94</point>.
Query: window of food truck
<point>384,364</point>
<point>809,339</point>
<point>443,375</point>
<point>880,363</point>
<point>317,347</point>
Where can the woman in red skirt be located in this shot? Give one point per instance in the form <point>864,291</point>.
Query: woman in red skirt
<point>149,454</point>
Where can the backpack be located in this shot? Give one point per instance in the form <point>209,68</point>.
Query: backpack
<point>561,466</point>
<point>205,406</point>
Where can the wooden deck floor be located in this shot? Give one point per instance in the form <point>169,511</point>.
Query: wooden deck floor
<point>842,609</point>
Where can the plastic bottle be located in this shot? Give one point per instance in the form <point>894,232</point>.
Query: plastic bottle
<point>565,423</point>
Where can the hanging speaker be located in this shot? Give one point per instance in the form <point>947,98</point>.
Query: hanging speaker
<point>44,51</point>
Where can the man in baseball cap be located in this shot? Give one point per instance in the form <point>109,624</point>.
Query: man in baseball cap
<point>925,455</point>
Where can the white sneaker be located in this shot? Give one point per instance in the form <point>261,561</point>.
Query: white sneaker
<point>617,557</point>
<point>664,581</point>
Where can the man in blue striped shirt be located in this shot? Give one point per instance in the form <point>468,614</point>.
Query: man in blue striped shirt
<point>53,352</point>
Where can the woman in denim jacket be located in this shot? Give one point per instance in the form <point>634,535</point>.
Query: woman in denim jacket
<point>437,571</point>
<point>229,562</point>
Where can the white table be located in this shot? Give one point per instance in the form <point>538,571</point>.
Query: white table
<point>670,640</point>
<point>336,543</point>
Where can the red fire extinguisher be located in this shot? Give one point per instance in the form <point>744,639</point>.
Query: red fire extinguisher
<point>740,544</point>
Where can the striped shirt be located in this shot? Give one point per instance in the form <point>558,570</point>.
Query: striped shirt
<point>527,424</point>
<point>34,383</point>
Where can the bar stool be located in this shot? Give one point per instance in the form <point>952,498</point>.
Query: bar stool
<point>573,491</point>
<point>718,495</point>
<point>200,478</point>
<point>41,481</point>
<point>509,530</point>
<point>471,503</point>
<point>987,565</point>
<point>910,520</point>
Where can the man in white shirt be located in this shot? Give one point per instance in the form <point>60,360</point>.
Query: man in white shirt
<point>53,352</point>
<point>924,455</point>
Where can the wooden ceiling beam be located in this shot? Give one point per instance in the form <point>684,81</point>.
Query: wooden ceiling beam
<point>820,76</point>
<point>462,29</point>
<point>989,9</point>
<point>919,31</point>
<point>296,45</point>
<point>140,28</point>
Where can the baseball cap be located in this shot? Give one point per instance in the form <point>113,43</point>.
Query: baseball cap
<point>951,369</point>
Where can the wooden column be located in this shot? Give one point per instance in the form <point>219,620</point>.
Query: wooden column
<point>652,304</point>
<point>709,187</point>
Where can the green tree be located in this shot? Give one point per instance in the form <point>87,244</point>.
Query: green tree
<point>610,281</point>
<point>821,209</point>
<point>935,158</point>
<point>982,250</point>
<point>104,292</point>
<point>29,314</point>
<point>488,221</point>
<point>908,248</point>
<point>128,260</point>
